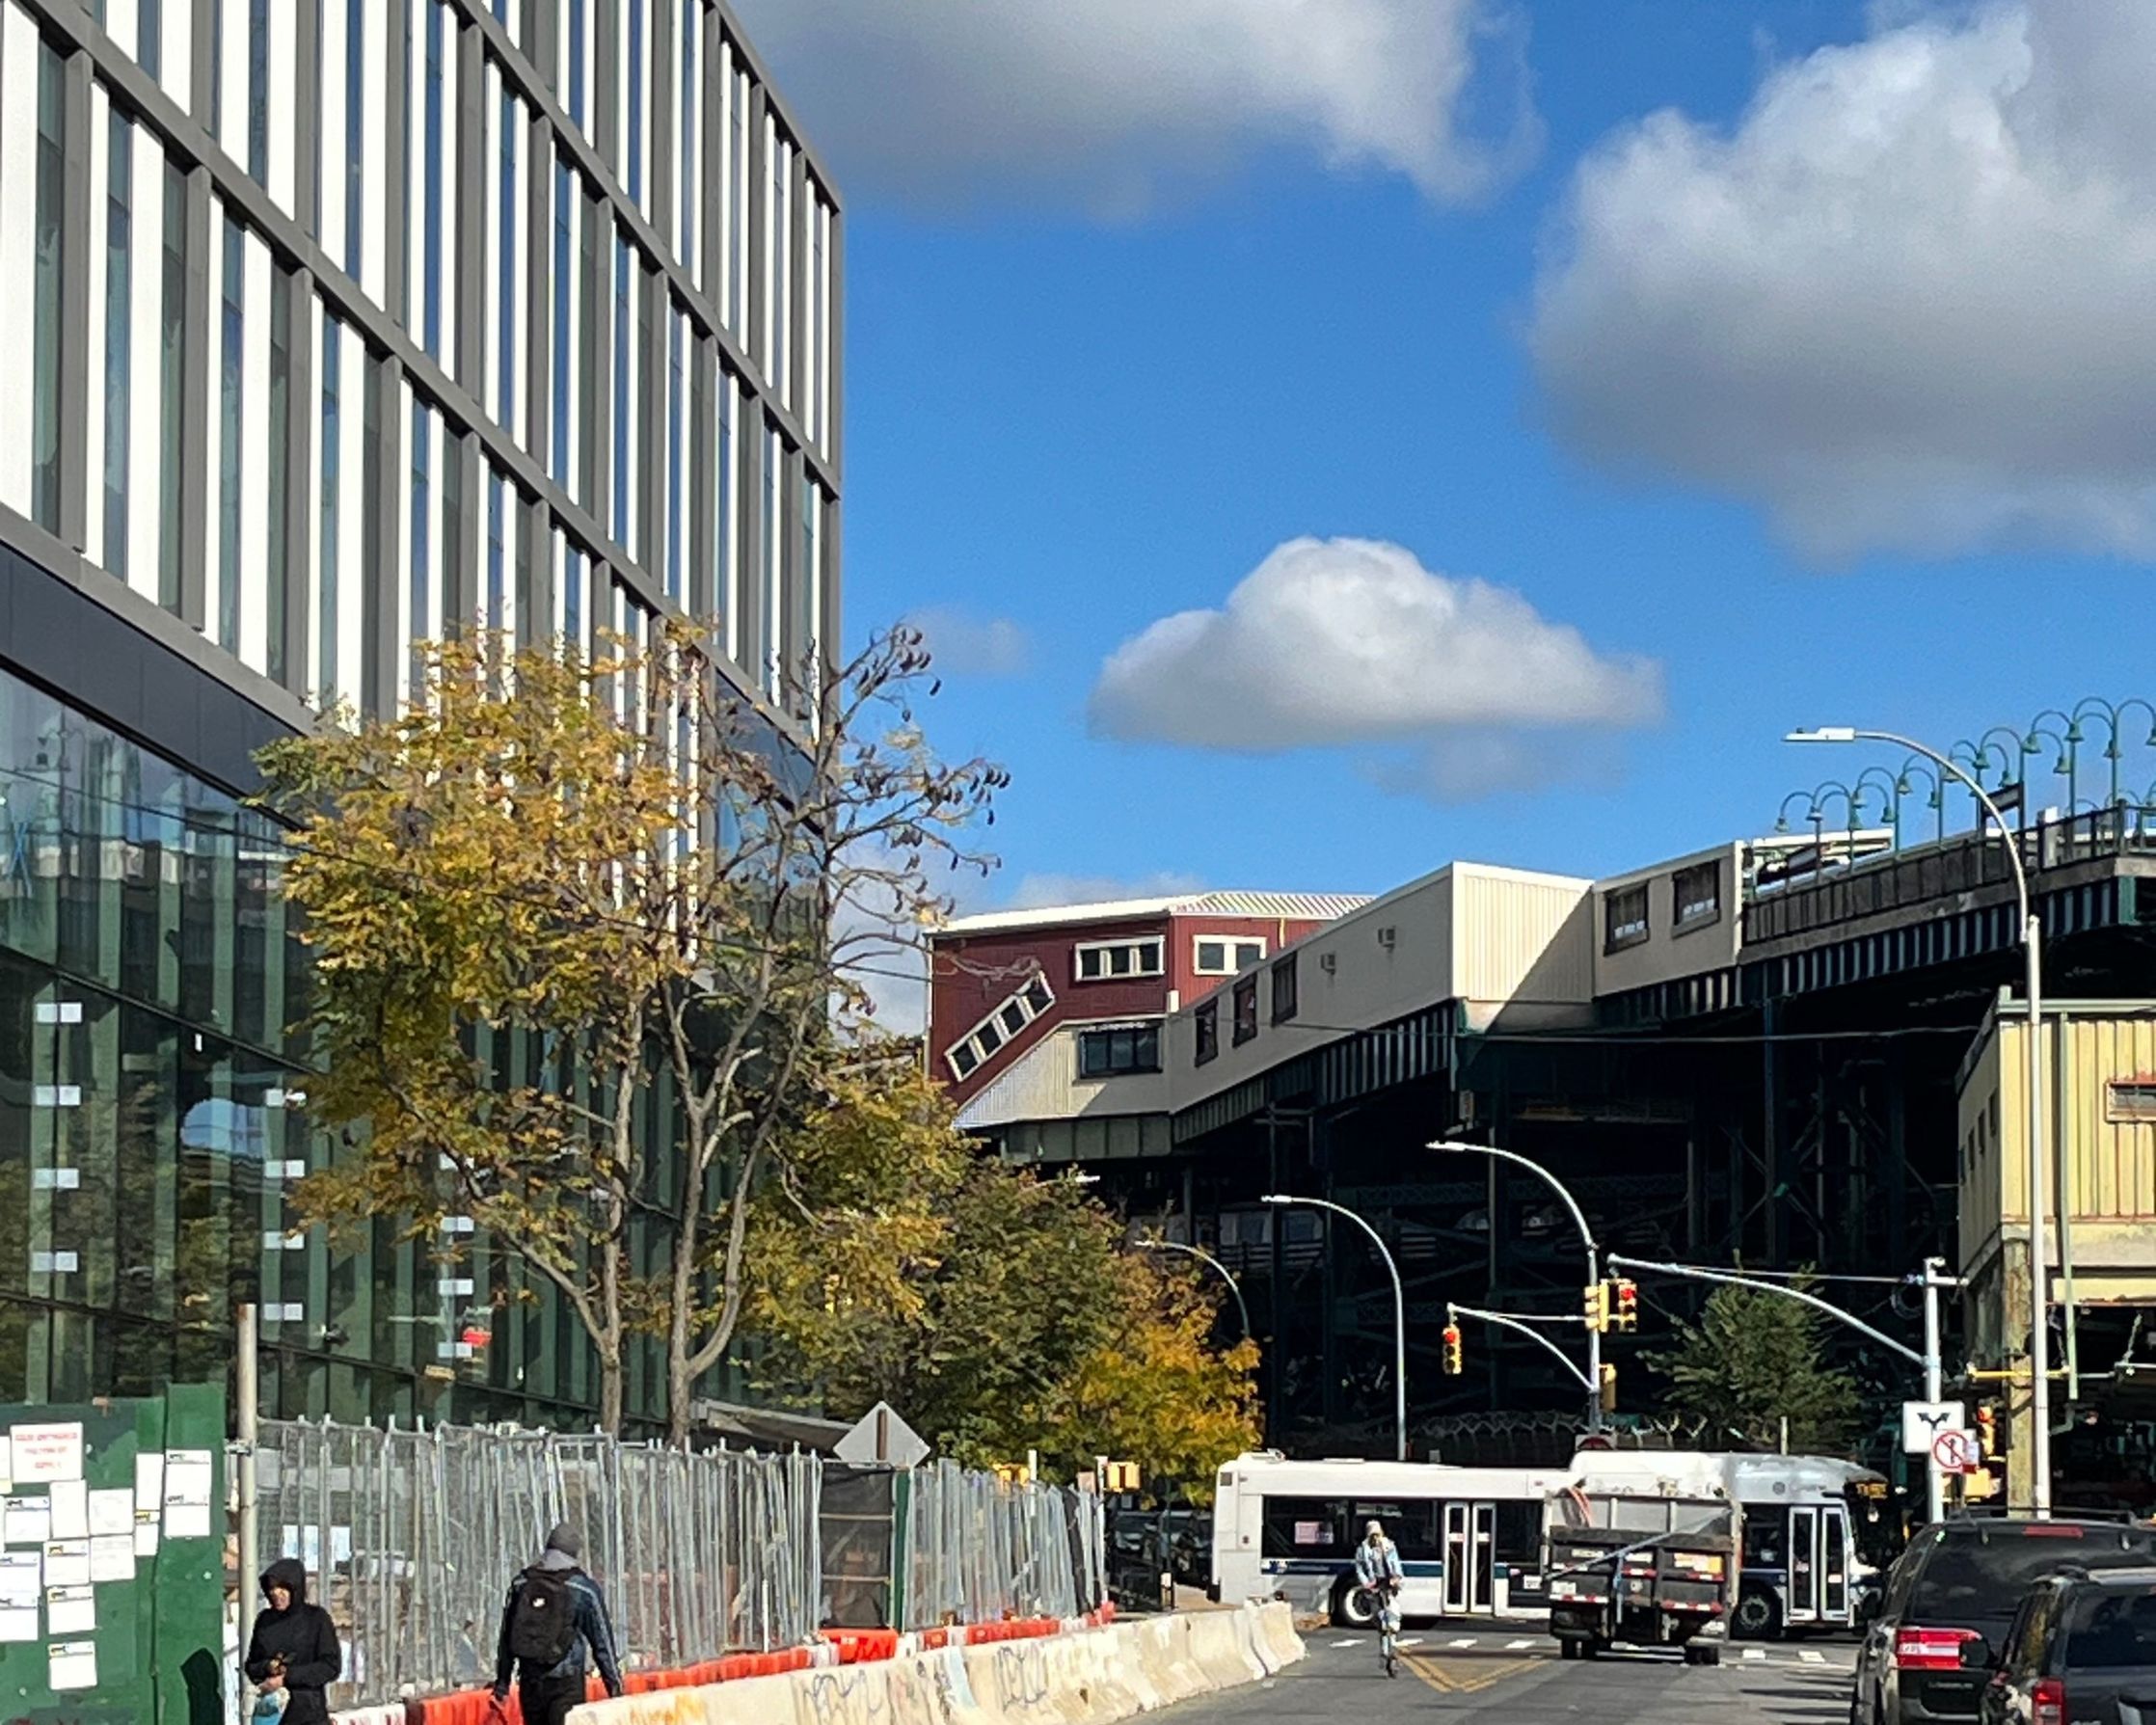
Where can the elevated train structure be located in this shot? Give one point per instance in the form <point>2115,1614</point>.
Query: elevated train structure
<point>1762,1052</point>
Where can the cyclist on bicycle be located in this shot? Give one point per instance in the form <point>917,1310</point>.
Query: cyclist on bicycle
<point>1377,1573</point>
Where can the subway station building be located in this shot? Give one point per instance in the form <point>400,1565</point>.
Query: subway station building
<point>338,323</point>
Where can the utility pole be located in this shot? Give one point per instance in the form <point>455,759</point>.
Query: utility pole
<point>247,1422</point>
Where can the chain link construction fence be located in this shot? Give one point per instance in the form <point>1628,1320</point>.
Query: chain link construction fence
<point>978,1550</point>
<point>411,1538</point>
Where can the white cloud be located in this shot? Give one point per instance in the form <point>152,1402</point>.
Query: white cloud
<point>965,646</point>
<point>1105,102</point>
<point>1343,641</point>
<point>1908,302</point>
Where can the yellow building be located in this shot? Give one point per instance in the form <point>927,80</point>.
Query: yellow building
<point>2099,1089</point>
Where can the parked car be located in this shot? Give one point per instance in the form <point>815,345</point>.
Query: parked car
<point>1959,1586</point>
<point>2080,1648</point>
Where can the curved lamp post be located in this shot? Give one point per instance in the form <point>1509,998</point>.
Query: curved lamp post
<point>1399,1304</point>
<point>2031,937</point>
<point>1588,1234</point>
<point>1205,1257</point>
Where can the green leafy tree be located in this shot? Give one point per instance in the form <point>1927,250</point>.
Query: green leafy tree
<point>1753,1360</point>
<point>589,934</point>
<point>995,1309</point>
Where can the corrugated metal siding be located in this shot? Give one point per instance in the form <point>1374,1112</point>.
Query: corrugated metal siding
<point>2110,1165</point>
<point>1517,938</point>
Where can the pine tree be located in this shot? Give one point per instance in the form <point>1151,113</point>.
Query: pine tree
<point>1753,1360</point>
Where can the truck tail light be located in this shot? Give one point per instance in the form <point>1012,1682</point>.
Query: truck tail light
<point>2047,1702</point>
<point>1931,1650</point>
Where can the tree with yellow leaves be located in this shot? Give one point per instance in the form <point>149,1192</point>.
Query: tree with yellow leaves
<point>997,1310</point>
<point>589,933</point>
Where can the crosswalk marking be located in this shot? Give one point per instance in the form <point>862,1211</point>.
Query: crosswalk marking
<point>1465,1641</point>
<point>1811,1657</point>
<point>1516,1646</point>
<point>1351,1641</point>
<point>1403,1642</point>
<point>1755,1653</point>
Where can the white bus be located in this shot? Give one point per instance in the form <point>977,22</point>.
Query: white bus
<point>1469,1538</point>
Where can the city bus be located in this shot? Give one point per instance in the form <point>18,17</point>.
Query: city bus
<point>1811,1527</point>
<point>1469,1538</point>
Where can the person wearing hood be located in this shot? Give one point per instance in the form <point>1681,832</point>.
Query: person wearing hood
<point>553,1614</point>
<point>294,1647</point>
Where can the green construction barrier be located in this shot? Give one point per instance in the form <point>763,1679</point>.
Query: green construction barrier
<point>112,1561</point>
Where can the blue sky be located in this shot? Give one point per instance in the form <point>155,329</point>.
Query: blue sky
<point>1790,408</point>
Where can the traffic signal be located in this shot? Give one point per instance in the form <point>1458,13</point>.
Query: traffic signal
<point>1595,1299</point>
<point>1452,1360</point>
<point>1627,1315</point>
<point>1991,1433</point>
<point>1609,1387</point>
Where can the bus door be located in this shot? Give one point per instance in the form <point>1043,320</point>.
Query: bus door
<point>1805,1567</point>
<point>1471,1556</point>
<point>1834,1564</point>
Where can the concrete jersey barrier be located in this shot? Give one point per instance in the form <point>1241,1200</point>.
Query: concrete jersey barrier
<point>1080,1677</point>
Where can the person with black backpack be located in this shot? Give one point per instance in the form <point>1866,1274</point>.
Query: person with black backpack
<point>553,1614</point>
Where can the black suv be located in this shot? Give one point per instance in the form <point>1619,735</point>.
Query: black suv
<point>1959,1584</point>
<point>2081,1647</point>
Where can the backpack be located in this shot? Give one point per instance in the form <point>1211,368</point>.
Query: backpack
<point>542,1619</point>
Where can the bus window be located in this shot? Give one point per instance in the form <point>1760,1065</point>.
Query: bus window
<point>1304,1528</point>
<point>1520,1535</point>
<point>1414,1526</point>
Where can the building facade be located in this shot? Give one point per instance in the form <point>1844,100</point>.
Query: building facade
<point>349,321</point>
<point>1047,1024</point>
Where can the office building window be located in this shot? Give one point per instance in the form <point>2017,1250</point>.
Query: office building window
<point>258,91</point>
<point>1206,1022</point>
<point>1696,896</point>
<point>1624,918</point>
<point>1286,997</point>
<point>171,349</point>
<point>564,252</point>
<point>676,402</point>
<point>634,77</point>
<point>1223,955</point>
<point>278,451</point>
<point>331,496</point>
<point>1246,1009</point>
<point>1111,960</point>
<point>228,436</point>
<point>509,284</point>
<point>51,200</point>
<point>1118,1050</point>
<point>119,309</point>
<point>981,1043</point>
<point>625,322</point>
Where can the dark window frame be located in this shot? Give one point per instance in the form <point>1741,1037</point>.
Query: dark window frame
<point>1246,1009</point>
<point>1626,930</point>
<point>1287,989</point>
<point>1205,1020</point>
<point>1683,921</point>
<point>1119,1051</point>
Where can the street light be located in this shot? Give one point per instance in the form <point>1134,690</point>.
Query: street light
<point>1586,1233</point>
<point>1399,1305</point>
<point>2032,940</point>
<point>1205,1257</point>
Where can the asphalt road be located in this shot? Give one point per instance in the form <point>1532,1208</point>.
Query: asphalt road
<point>1517,1678</point>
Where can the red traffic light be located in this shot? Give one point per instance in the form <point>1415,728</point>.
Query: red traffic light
<point>476,1337</point>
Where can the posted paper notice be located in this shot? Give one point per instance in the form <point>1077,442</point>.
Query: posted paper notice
<point>71,1664</point>
<point>46,1452</point>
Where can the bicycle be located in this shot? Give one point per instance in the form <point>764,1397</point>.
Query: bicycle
<point>1382,1608</point>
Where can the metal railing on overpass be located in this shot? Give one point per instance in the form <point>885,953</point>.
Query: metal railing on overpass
<point>1926,873</point>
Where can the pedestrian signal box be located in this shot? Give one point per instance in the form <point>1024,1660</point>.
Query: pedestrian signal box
<point>1609,1387</point>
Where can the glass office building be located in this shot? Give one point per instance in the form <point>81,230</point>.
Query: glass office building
<point>345,321</point>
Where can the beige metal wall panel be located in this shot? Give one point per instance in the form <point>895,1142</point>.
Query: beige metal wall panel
<point>1521,937</point>
<point>1668,952</point>
<point>1043,1085</point>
